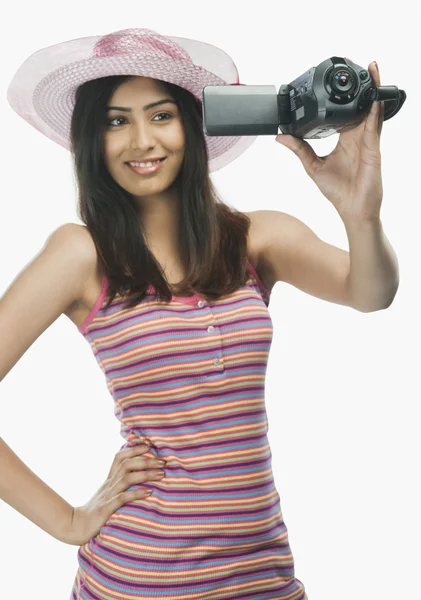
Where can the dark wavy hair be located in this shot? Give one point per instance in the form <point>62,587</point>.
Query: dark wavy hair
<point>213,236</point>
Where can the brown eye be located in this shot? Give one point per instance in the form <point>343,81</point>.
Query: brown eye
<point>115,119</point>
<point>168,115</point>
<point>163,113</point>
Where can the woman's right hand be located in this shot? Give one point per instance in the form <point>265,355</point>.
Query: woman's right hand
<point>128,469</point>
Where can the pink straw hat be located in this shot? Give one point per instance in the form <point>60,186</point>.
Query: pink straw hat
<point>43,89</point>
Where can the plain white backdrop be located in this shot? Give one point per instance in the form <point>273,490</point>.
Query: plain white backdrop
<point>343,387</point>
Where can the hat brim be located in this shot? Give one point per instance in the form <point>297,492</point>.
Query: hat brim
<point>43,89</point>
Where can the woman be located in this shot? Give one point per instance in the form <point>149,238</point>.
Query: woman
<point>170,288</point>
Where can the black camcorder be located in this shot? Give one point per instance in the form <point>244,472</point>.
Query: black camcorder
<point>334,96</point>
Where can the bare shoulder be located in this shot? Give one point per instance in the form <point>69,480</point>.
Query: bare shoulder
<point>78,241</point>
<point>84,246</point>
<point>75,234</point>
<point>79,238</point>
<point>257,245</point>
<point>43,290</point>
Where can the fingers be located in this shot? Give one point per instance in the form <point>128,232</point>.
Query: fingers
<point>122,455</point>
<point>137,463</point>
<point>123,498</point>
<point>130,467</point>
<point>311,162</point>
<point>373,69</point>
<point>130,478</point>
<point>375,117</point>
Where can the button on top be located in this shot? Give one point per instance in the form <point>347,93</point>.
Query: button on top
<point>201,303</point>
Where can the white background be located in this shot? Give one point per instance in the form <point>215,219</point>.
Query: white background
<point>342,386</point>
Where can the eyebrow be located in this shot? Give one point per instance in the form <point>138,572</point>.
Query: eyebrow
<point>147,107</point>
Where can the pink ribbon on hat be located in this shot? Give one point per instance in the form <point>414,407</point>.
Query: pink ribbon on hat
<point>124,42</point>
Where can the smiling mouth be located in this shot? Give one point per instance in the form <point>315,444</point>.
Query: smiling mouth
<point>146,170</point>
<point>146,161</point>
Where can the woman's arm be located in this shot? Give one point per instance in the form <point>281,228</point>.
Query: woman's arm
<point>366,278</point>
<point>29,495</point>
<point>42,291</point>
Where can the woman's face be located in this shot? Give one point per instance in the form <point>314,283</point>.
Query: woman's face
<point>143,133</point>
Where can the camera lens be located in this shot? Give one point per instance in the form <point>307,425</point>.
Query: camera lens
<point>342,81</point>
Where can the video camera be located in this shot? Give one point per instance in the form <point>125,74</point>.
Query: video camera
<point>333,97</point>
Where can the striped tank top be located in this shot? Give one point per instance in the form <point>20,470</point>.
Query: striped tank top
<point>188,376</point>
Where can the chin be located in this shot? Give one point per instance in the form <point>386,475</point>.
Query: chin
<point>148,189</point>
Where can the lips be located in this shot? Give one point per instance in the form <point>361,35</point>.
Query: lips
<point>149,160</point>
<point>148,170</point>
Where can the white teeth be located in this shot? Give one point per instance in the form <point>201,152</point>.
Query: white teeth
<point>144,164</point>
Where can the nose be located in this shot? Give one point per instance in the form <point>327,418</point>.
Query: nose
<point>141,135</point>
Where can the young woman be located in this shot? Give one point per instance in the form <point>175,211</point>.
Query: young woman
<point>171,288</point>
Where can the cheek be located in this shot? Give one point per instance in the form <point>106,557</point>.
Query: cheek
<point>112,156</point>
<point>108,151</point>
<point>177,138</point>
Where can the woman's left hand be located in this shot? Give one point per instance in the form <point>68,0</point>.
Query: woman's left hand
<point>350,176</point>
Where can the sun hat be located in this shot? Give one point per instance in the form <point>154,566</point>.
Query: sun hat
<point>43,89</point>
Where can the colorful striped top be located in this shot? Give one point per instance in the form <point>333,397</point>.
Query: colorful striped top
<point>189,377</point>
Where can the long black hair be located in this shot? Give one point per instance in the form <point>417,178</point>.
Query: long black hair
<point>213,236</point>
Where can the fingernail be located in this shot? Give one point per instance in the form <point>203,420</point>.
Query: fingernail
<point>376,65</point>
